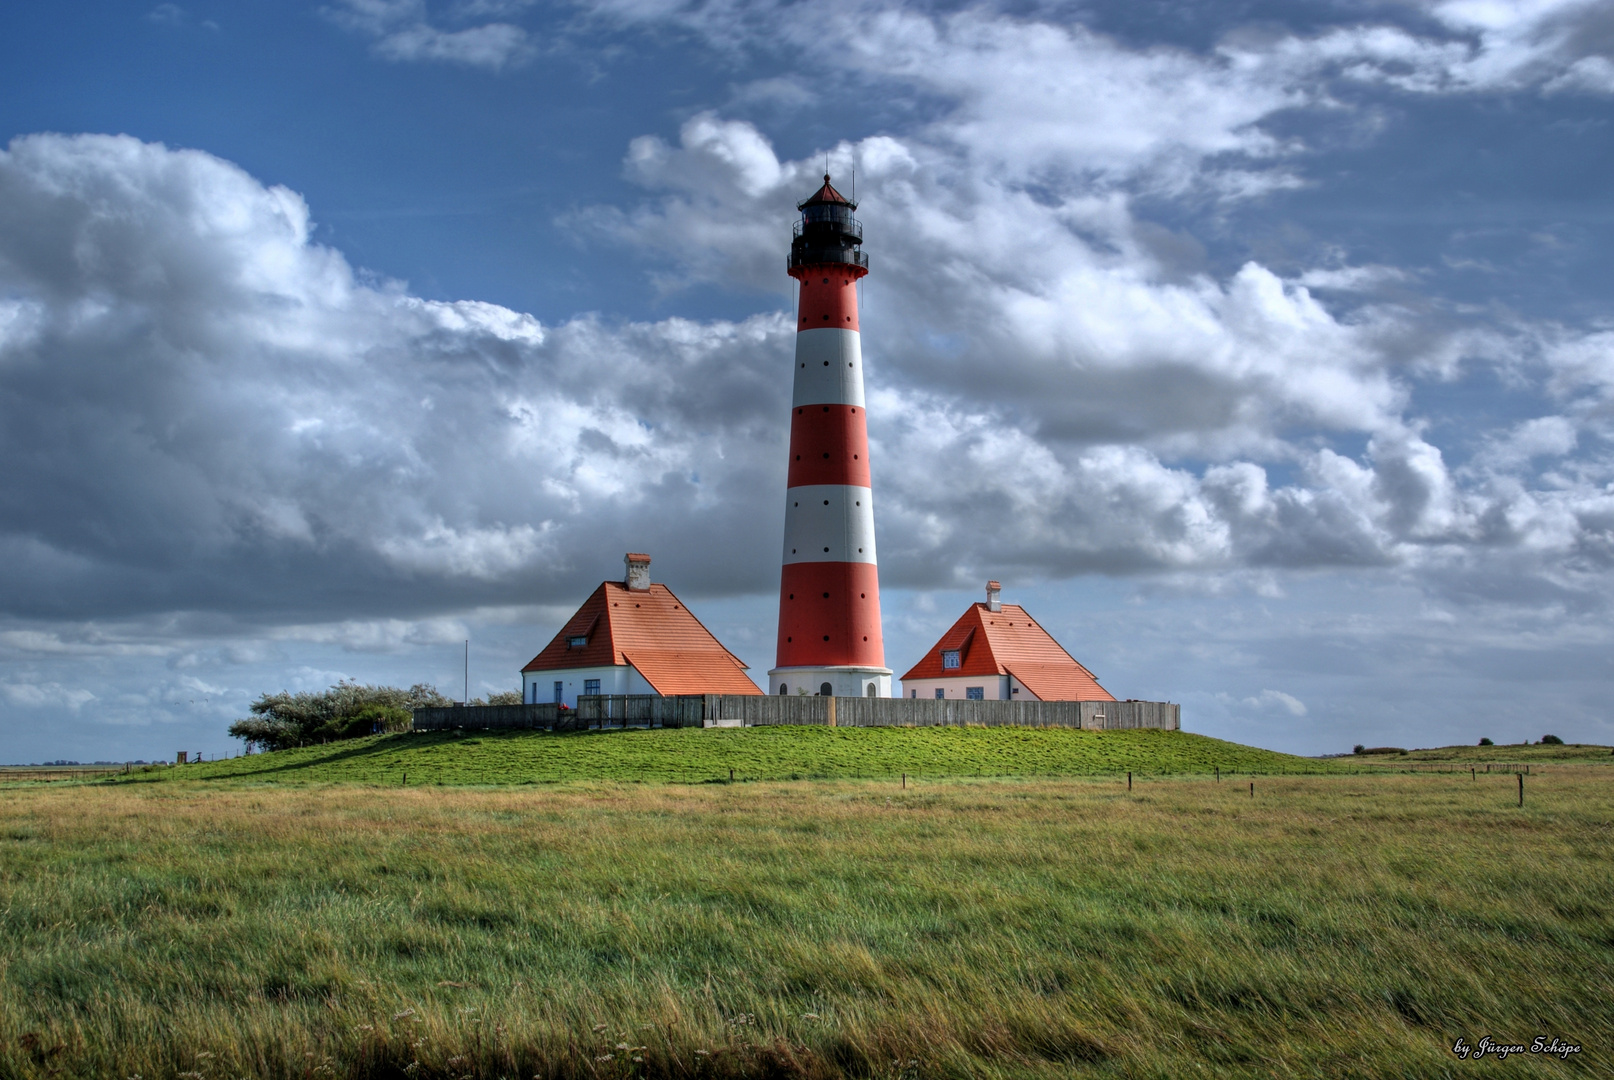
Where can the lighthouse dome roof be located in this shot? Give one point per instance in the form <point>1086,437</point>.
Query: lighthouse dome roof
<point>827,195</point>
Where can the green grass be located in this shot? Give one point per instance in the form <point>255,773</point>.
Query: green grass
<point>761,753</point>
<point>1470,755</point>
<point>1331,926</point>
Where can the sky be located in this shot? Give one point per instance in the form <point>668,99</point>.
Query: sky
<point>1264,351</point>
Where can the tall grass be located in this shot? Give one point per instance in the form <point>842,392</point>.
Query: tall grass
<point>1328,926</point>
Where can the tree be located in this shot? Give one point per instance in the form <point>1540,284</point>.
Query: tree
<point>345,711</point>
<point>1551,740</point>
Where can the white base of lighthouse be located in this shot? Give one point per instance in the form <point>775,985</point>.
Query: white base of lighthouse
<point>842,681</point>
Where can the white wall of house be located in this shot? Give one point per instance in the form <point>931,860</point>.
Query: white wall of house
<point>538,687</point>
<point>993,688</point>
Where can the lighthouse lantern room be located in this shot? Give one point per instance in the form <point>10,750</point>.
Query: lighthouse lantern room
<point>829,592</point>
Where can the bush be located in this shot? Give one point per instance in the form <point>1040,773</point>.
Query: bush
<point>1382,750</point>
<point>1551,740</point>
<point>503,697</point>
<point>1486,742</point>
<point>1358,749</point>
<point>345,711</point>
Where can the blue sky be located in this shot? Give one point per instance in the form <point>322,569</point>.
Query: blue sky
<point>1264,351</point>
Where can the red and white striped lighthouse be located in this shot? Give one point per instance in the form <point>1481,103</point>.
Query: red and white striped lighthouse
<point>829,592</point>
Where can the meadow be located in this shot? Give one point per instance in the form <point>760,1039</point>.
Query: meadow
<point>763,753</point>
<point>1327,926</point>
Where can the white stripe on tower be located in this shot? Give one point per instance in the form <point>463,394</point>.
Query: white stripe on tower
<point>829,368</point>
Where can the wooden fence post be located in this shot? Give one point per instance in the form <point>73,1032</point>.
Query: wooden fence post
<point>1521,789</point>
<point>1252,789</point>
<point>1129,781</point>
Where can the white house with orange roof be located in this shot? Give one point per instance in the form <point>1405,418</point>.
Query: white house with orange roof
<point>633,637</point>
<point>998,652</point>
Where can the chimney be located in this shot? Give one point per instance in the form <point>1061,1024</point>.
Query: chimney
<point>993,591</point>
<point>638,576</point>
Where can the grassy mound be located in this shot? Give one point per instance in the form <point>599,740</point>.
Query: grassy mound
<point>764,753</point>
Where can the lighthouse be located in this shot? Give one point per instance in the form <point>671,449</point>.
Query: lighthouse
<point>829,590</point>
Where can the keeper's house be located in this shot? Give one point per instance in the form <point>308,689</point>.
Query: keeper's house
<point>996,652</point>
<point>633,637</point>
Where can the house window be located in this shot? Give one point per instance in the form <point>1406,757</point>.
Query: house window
<point>591,686</point>
<point>975,693</point>
<point>949,658</point>
<point>560,692</point>
<point>913,693</point>
<point>577,642</point>
<point>940,693</point>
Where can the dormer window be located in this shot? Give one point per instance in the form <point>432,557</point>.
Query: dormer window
<point>578,641</point>
<point>949,658</point>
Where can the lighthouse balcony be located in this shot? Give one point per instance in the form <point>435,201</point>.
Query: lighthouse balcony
<point>847,229</point>
<point>826,255</point>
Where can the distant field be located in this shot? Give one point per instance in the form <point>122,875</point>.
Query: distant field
<point>762,753</point>
<point>1482,754</point>
<point>1330,926</point>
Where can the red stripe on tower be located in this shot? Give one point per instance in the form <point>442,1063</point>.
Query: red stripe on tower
<point>829,590</point>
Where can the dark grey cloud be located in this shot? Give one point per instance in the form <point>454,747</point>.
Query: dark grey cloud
<point>204,410</point>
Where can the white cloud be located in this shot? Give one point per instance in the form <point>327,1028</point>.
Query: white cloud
<point>373,635</point>
<point>1544,436</point>
<point>50,695</point>
<point>255,430</point>
<point>401,30</point>
<point>1277,698</point>
<point>1076,310</point>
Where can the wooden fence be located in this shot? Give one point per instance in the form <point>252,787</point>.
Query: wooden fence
<point>641,710</point>
<point>488,717</point>
<point>755,710</point>
<point>60,772</point>
<point>1446,766</point>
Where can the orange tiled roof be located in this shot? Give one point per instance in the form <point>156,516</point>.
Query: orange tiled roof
<point>652,630</point>
<point>1009,642</point>
<point>683,671</point>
